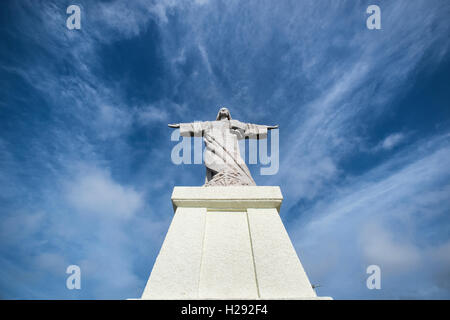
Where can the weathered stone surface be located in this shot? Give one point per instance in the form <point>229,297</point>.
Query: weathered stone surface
<point>176,271</point>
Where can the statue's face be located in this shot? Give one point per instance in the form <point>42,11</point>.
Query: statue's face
<point>224,113</point>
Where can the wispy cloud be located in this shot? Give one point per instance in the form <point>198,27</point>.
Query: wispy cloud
<point>386,217</point>
<point>391,141</point>
<point>93,191</point>
<point>102,96</point>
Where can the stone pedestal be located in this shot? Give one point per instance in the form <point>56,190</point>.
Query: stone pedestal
<point>227,243</point>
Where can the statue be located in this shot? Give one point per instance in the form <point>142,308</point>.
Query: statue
<point>224,164</point>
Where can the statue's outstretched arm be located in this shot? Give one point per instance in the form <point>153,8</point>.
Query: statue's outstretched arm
<point>272,127</point>
<point>189,129</point>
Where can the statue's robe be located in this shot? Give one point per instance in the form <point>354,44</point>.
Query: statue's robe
<point>224,164</point>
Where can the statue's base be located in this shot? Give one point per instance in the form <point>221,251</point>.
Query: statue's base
<point>227,243</point>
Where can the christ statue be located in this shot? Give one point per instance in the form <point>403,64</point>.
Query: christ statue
<point>224,164</point>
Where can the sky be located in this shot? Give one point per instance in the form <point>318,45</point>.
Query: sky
<point>364,136</point>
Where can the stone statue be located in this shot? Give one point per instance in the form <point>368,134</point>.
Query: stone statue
<point>224,164</point>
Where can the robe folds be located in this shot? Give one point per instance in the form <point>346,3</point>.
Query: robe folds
<point>224,164</point>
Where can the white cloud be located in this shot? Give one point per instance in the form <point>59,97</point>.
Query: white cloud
<point>204,55</point>
<point>392,141</point>
<point>380,248</point>
<point>113,121</point>
<point>17,226</point>
<point>93,191</point>
<point>51,262</point>
<point>201,2</point>
<point>152,113</point>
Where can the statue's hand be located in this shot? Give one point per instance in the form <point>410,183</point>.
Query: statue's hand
<point>177,125</point>
<point>272,127</point>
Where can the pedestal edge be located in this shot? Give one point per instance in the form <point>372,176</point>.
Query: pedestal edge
<point>230,197</point>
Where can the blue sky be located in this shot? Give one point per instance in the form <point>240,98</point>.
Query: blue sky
<point>364,115</point>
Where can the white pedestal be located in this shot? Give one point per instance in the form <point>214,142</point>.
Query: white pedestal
<point>227,243</point>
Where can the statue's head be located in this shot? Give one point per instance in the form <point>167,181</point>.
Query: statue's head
<point>223,113</point>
